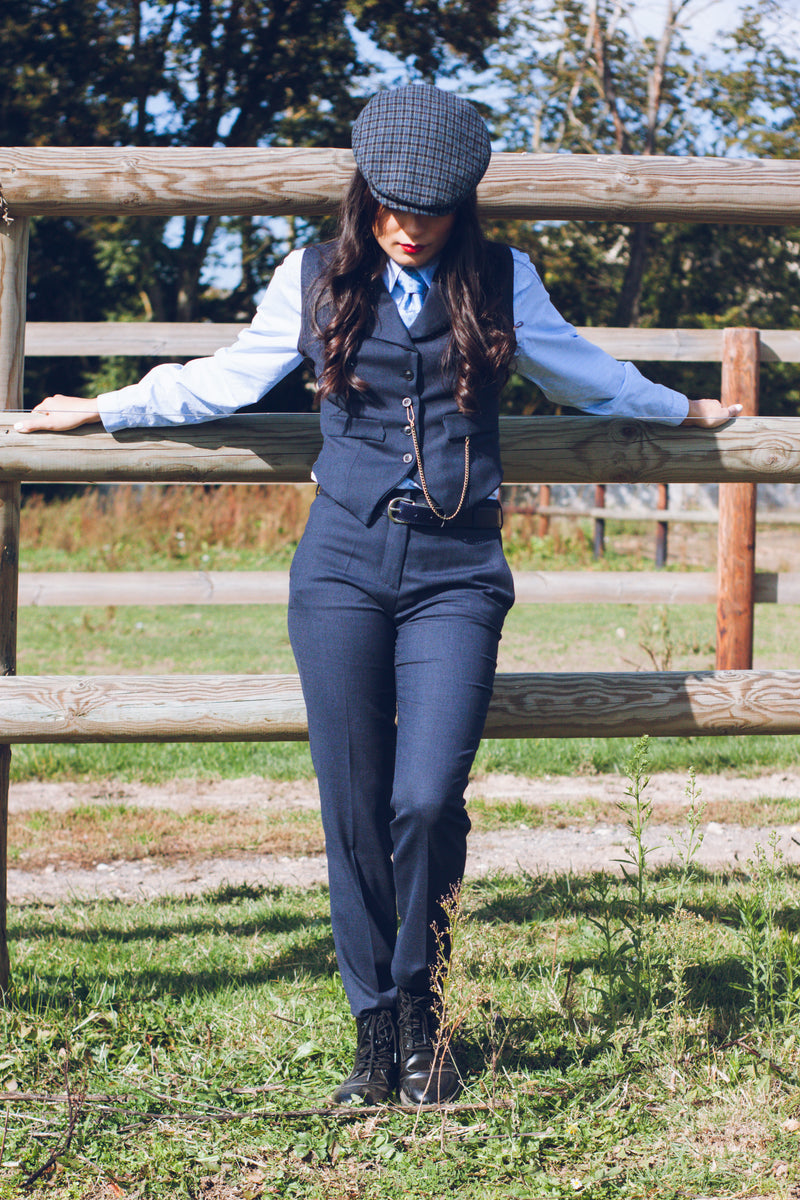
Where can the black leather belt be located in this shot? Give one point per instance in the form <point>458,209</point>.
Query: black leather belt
<point>488,514</point>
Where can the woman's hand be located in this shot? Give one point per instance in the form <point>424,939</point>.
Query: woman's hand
<point>709,413</point>
<point>60,412</point>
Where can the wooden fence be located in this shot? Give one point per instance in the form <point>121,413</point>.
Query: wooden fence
<point>119,588</point>
<point>281,448</point>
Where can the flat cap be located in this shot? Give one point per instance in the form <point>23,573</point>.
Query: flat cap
<point>420,149</point>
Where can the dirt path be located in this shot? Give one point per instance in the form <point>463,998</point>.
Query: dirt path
<point>518,849</point>
<point>547,847</point>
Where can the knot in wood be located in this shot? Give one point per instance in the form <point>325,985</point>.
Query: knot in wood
<point>627,430</point>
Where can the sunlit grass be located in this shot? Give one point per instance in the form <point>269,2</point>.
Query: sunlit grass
<point>201,1038</point>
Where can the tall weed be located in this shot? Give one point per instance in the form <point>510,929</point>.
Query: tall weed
<point>625,924</point>
<point>772,958</point>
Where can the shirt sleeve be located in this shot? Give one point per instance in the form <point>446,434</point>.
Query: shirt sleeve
<point>235,376</point>
<point>571,370</point>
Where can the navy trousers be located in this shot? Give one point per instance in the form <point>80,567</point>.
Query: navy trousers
<point>395,631</point>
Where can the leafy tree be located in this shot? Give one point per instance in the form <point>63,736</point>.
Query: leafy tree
<point>596,85</point>
<point>197,73</point>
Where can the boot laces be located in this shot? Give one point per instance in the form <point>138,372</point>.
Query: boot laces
<point>377,1042</point>
<point>416,1019</point>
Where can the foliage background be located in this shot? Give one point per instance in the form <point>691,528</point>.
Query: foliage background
<point>577,76</point>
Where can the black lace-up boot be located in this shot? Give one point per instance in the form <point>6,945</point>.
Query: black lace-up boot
<point>428,1074</point>
<point>374,1074</point>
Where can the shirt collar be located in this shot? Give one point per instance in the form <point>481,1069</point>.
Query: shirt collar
<point>392,269</point>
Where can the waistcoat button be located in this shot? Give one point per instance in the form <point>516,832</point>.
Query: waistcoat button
<point>407,429</point>
<point>408,373</point>
<point>407,402</point>
<point>407,458</point>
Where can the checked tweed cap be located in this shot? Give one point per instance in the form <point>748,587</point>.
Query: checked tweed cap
<point>420,149</point>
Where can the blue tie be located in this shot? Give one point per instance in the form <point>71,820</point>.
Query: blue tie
<point>414,289</point>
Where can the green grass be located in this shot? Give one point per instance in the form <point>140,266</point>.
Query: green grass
<point>154,763</point>
<point>205,1035</point>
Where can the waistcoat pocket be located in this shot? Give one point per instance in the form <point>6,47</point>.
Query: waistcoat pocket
<point>461,425</point>
<point>338,423</point>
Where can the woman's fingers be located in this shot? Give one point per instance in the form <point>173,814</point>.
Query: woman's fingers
<point>59,412</point>
<point>708,413</point>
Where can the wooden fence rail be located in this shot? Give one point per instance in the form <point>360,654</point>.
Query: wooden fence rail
<point>94,589</point>
<point>155,339</point>
<point>281,448</point>
<point>676,516</point>
<point>96,181</point>
<point>83,181</point>
<point>198,708</point>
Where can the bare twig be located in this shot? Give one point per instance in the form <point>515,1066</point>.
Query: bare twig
<point>75,1105</point>
<point>55,1098</point>
<point>116,1104</point>
<point>5,1131</point>
<point>781,1072</point>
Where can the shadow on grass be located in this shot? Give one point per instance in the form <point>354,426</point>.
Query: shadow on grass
<point>240,936</point>
<point>44,989</point>
<point>104,919</point>
<point>248,936</point>
<point>527,899</point>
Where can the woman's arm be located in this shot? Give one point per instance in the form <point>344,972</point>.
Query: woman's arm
<point>205,388</point>
<point>571,370</point>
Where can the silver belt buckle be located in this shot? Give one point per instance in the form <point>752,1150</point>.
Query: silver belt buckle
<point>393,508</point>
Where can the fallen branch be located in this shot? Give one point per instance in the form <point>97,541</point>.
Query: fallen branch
<point>75,1104</point>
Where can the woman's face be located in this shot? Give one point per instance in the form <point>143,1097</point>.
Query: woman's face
<point>411,239</point>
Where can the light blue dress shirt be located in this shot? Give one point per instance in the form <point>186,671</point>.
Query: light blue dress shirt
<point>569,370</point>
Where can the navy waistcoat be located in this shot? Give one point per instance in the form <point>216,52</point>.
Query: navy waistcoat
<point>366,453</point>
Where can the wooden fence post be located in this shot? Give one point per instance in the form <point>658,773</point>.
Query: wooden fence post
<point>599,542</point>
<point>736,548</point>
<point>662,527</point>
<point>543,501</point>
<point>13,281</point>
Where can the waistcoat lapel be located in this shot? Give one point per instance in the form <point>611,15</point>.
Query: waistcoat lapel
<point>433,318</point>
<point>389,326</point>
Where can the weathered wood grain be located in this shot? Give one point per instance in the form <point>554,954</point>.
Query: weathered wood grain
<point>166,181</point>
<point>13,285</point>
<point>183,340</point>
<point>689,516</point>
<point>278,448</point>
<point>281,448</point>
<point>156,339</point>
<point>686,516</point>
<point>14,241</point>
<point>668,704</point>
<point>270,708</point>
<point>89,589</point>
<point>9,565</point>
<point>46,708</point>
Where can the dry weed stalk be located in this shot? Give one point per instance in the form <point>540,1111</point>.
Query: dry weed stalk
<point>181,521</point>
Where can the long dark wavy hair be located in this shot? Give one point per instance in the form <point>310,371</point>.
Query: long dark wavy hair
<point>482,342</point>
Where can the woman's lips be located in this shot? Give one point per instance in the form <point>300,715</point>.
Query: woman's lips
<point>411,249</point>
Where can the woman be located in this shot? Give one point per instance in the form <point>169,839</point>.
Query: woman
<point>399,587</point>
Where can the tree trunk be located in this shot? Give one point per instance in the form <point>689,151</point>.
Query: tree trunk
<point>630,298</point>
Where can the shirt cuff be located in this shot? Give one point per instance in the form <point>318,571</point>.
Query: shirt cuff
<point>647,401</point>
